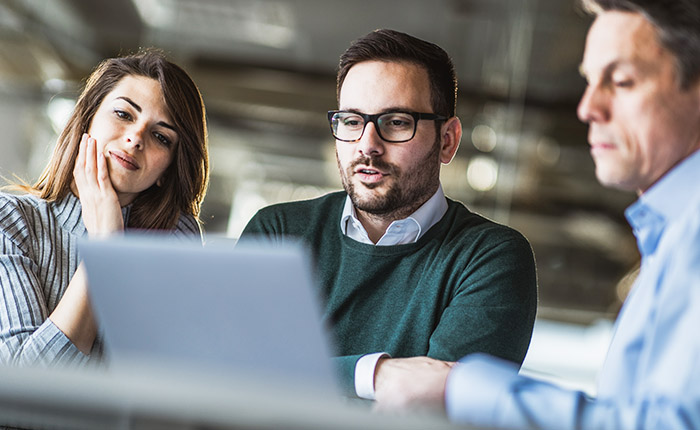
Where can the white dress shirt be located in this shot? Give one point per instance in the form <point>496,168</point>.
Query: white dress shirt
<point>399,232</point>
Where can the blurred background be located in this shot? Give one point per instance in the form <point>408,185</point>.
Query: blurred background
<point>266,69</point>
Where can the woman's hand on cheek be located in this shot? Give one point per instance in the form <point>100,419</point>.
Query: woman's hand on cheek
<point>102,214</point>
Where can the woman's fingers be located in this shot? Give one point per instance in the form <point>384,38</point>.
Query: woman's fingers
<point>91,172</point>
<point>90,160</point>
<point>79,167</point>
<point>100,204</point>
<point>103,180</point>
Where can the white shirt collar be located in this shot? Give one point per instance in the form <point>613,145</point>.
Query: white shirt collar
<point>399,232</point>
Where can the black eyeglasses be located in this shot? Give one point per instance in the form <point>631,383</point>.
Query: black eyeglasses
<point>392,127</point>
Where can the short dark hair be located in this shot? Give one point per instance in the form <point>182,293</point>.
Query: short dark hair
<point>678,24</point>
<point>391,45</point>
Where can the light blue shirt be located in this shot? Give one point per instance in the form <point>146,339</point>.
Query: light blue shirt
<point>651,376</point>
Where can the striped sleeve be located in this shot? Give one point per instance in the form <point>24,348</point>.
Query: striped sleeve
<point>27,336</point>
<point>188,228</point>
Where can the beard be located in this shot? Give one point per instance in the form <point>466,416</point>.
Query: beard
<point>406,191</point>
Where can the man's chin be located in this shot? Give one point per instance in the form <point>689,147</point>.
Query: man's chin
<point>614,180</point>
<point>371,202</point>
<point>368,185</point>
<point>367,199</point>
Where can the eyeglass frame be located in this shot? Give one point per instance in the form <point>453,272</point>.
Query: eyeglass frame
<point>417,116</point>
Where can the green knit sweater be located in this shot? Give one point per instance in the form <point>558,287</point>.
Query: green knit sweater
<point>467,285</point>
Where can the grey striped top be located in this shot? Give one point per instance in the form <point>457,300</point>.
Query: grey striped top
<point>38,256</point>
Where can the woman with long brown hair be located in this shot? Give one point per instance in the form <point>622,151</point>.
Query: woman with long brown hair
<point>133,155</point>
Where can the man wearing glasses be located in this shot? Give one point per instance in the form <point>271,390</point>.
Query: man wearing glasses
<point>642,107</point>
<point>403,271</point>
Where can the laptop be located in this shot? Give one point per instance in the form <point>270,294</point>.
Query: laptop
<point>248,309</point>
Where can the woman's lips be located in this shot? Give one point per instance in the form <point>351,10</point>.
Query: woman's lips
<point>124,160</point>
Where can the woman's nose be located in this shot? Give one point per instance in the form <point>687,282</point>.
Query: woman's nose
<point>135,137</point>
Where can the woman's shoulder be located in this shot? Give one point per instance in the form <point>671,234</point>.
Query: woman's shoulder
<point>13,206</point>
<point>29,219</point>
<point>187,225</point>
<point>18,213</point>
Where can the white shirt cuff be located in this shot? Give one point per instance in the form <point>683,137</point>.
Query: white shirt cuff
<point>364,374</point>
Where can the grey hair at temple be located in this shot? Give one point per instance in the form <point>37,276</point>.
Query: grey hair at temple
<point>678,24</point>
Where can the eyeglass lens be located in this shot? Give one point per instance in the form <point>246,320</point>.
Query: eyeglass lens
<point>392,126</point>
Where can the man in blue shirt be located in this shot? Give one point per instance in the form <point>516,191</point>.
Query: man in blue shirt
<point>642,105</point>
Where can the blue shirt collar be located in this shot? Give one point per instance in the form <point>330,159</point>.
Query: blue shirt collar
<point>663,202</point>
<point>670,195</point>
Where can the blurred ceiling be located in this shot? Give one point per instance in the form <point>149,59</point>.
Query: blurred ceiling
<point>501,48</point>
<point>269,65</point>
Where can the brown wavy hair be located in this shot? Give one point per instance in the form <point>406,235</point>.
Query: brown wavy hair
<point>183,186</point>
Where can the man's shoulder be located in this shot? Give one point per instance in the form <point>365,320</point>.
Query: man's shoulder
<point>466,223</point>
<point>471,238</point>
<point>305,207</point>
<point>299,218</point>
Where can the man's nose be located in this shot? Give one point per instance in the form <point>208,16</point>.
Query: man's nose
<point>593,106</point>
<point>370,144</point>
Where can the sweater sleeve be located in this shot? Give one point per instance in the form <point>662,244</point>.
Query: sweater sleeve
<point>493,307</point>
<point>345,369</point>
<point>27,335</point>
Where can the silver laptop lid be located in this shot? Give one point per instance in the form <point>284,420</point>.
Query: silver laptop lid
<point>244,310</point>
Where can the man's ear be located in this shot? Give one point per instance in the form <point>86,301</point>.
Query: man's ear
<point>450,136</point>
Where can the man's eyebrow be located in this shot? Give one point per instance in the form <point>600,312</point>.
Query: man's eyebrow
<point>639,67</point>
<point>138,108</point>
<point>607,70</point>
<point>383,111</point>
<point>397,109</point>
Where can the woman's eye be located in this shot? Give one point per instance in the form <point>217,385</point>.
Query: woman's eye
<point>162,139</point>
<point>121,114</point>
